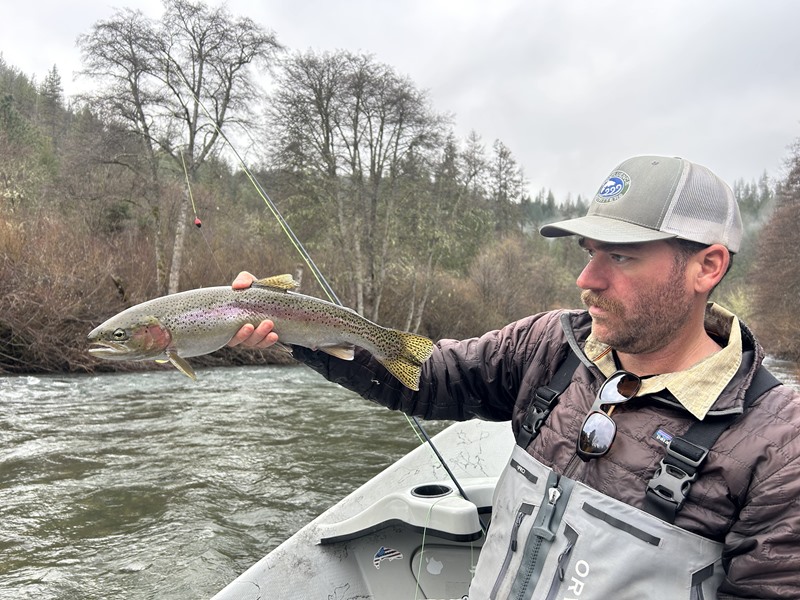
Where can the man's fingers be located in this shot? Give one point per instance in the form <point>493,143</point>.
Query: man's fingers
<point>243,281</point>
<point>264,336</point>
<point>248,336</point>
<point>245,332</point>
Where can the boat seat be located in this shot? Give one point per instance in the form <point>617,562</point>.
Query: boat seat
<point>435,508</point>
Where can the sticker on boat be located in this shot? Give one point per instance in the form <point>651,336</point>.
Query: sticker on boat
<point>385,554</point>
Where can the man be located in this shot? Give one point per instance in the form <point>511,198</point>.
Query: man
<point>659,236</point>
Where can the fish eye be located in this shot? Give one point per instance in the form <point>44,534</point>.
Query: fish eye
<point>120,335</point>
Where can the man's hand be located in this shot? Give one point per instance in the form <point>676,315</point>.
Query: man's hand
<point>252,337</point>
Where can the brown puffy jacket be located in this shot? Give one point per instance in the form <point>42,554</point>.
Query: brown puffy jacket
<point>747,494</point>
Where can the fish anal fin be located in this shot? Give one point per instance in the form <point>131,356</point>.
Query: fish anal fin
<point>345,352</point>
<point>282,283</point>
<point>181,364</point>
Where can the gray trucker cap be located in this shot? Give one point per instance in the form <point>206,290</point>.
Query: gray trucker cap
<point>648,198</point>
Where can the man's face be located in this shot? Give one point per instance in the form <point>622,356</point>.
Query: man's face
<point>637,294</point>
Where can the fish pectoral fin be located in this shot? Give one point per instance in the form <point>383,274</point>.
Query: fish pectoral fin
<point>181,364</point>
<point>282,347</point>
<point>282,283</point>
<point>344,352</point>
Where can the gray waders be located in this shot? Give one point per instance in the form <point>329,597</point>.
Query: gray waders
<point>554,538</point>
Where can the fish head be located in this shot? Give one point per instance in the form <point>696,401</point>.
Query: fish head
<point>130,337</point>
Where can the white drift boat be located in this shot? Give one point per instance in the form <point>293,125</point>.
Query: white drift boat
<point>405,534</point>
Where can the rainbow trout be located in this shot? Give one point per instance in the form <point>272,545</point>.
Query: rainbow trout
<point>196,322</point>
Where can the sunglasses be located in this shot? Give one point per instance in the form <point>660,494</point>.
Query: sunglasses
<point>598,429</point>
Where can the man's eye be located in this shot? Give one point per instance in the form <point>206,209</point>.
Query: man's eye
<point>619,258</point>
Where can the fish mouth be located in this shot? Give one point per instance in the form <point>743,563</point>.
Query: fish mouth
<point>108,349</point>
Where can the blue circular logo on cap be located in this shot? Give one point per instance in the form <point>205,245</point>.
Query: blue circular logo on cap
<point>614,187</point>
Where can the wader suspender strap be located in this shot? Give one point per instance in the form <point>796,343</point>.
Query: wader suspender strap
<point>545,399</point>
<point>669,487</point>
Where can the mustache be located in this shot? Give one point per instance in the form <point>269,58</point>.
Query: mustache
<point>589,298</point>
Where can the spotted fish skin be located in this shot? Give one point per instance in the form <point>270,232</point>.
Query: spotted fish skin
<point>196,322</point>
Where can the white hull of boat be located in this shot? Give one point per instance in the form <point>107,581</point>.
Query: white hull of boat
<point>405,534</point>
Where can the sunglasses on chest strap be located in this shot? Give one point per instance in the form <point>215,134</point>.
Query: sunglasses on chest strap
<point>598,429</point>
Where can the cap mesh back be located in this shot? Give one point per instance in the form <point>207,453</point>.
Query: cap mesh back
<point>704,210</point>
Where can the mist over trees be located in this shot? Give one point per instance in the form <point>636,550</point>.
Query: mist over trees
<point>413,226</point>
<point>775,278</point>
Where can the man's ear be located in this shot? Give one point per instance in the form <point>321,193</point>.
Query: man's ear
<point>711,265</point>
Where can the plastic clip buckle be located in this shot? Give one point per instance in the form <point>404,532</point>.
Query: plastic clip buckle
<point>671,482</point>
<point>539,410</point>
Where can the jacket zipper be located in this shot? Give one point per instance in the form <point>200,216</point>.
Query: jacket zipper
<point>524,511</point>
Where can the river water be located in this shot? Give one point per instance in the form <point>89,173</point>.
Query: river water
<point>152,486</point>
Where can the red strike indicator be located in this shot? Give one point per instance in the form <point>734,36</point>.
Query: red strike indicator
<point>197,222</point>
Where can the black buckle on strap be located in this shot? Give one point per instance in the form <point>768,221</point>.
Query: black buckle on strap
<point>539,409</point>
<point>543,402</point>
<point>677,471</point>
<point>546,396</point>
<point>668,489</point>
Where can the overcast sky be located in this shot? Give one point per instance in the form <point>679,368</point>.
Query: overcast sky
<point>571,87</point>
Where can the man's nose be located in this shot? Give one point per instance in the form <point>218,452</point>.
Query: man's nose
<point>593,276</point>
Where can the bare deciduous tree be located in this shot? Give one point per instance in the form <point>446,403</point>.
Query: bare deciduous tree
<point>158,79</point>
<point>350,125</point>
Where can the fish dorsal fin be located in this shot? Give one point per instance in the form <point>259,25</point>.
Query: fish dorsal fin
<point>278,282</point>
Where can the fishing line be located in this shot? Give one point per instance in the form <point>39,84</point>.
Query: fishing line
<point>298,245</point>
<point>421,553</point>
<point>418,585</point>
<point>443,462</point>
<point>197,222</point>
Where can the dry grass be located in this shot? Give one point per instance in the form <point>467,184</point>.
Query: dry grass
<point>58,281</point>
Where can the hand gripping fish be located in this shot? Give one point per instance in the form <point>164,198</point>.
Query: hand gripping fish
<point>196,322</point>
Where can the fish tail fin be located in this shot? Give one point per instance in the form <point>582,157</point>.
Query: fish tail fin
<point>407,365</point>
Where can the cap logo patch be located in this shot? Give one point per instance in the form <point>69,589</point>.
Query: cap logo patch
<point>614,188</point>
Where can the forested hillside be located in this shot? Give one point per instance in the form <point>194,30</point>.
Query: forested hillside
<point>134,190</point>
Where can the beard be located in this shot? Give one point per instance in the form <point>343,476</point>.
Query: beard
<point>650,322</point>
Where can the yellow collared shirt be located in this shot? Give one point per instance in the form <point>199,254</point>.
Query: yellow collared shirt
<point>698,387</point>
